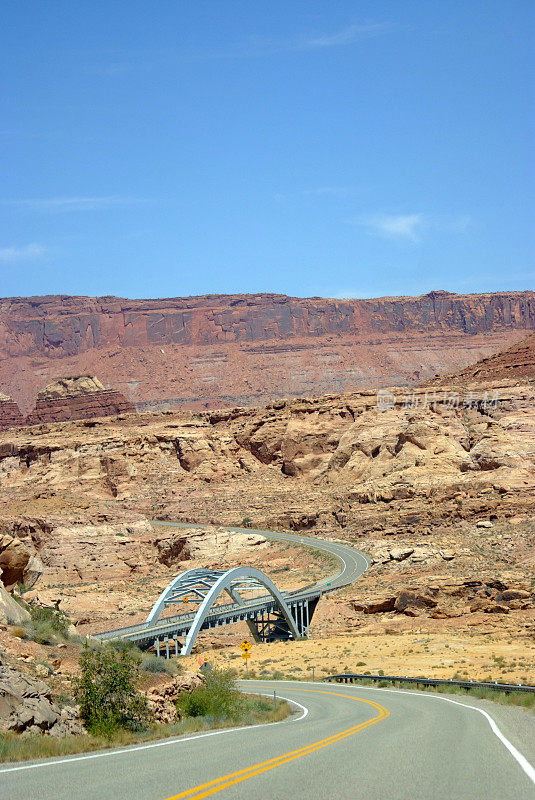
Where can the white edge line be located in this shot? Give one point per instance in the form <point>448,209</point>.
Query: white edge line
<point>131,749</point>
<point>517,755</point>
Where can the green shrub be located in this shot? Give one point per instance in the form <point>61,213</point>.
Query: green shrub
<point>106,691</point>
<point>157,665</point>
<point>218,697</point>
<point>46,625</point>
<point>246,521</point>
<point>125,646</point>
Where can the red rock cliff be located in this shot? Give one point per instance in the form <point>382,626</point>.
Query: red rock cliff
<point>239,349</point>
<point>63,325</point>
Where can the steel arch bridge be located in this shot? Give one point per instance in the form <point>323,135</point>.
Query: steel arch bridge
<point>273,616</point>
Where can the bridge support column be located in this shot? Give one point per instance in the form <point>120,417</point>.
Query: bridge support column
<point>167,647</point>
<point>157,646</point>
<point>252,624</point>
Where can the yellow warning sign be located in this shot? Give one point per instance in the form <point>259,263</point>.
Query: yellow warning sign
<point>246,646</point>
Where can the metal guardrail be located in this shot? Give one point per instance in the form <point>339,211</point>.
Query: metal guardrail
<point>350,677</point>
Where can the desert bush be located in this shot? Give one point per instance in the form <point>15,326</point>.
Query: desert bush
<point>46,625</point>
<point>218,697</point>
<point>125,646</point>
<point>159,665</point>
<point>106,691</point>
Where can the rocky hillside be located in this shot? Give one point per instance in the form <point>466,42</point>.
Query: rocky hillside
<point>409,476</point>
<point>214,351</point>
<point>517,362</point>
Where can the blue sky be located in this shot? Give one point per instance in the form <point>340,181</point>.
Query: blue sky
<point>342,149</point>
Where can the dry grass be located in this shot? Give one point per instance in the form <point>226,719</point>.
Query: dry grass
<point>440,655</point>
<point>256,709</point>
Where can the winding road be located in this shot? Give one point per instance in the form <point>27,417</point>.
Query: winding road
<point>353,563</point>
<point>343,743</point>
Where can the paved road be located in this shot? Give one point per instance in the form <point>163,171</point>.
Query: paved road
<point>352,565</point>
<point>353,743</point>
<point>352,562</point>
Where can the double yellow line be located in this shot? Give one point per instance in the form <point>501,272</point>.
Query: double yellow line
<point>206,789</point>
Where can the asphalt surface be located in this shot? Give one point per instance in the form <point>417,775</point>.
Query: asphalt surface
<point>352,565</point>
<point>352,562</point>
<point>353,743</point>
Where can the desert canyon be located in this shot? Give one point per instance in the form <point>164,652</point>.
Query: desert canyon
<point>432,478</point>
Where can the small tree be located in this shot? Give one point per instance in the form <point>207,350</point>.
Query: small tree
<point>106,691</point>
<point>218,697</point>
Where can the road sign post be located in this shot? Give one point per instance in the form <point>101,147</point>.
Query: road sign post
<point>246,653</point>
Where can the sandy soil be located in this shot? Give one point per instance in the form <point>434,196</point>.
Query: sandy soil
<point>439,655</point>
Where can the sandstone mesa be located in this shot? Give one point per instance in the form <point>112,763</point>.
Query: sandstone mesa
<point>224,350</point>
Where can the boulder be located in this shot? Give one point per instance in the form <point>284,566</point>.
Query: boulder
<point>26,706</point>
<point>11,613</point>
<point>407,601</point>
<point>401,553</point>
<point>14,558</point>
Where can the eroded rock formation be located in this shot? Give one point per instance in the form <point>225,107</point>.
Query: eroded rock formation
<point>216,351</point>
<point>78,397</point>
<point>10,414</point>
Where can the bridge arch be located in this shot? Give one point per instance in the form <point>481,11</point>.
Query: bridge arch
<point>209,584</point>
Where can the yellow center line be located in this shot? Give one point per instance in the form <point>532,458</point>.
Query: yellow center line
<point>206,789</point>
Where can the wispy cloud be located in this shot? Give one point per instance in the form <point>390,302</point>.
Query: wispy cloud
<point>412,227</point>
<point>327,191</point>
<point>346,36</point>
<point>394,226</point>
<point>59,204</point>
<point>258,46</point>
<point>22,253</point>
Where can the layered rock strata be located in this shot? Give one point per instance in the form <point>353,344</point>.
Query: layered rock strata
<point>81,397</point>
<point>517,362</point>
<point>214,351</point>
<point>10,415</point>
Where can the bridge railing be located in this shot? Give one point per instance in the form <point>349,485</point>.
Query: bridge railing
<point>164,622</point>
<point>352,677</point>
